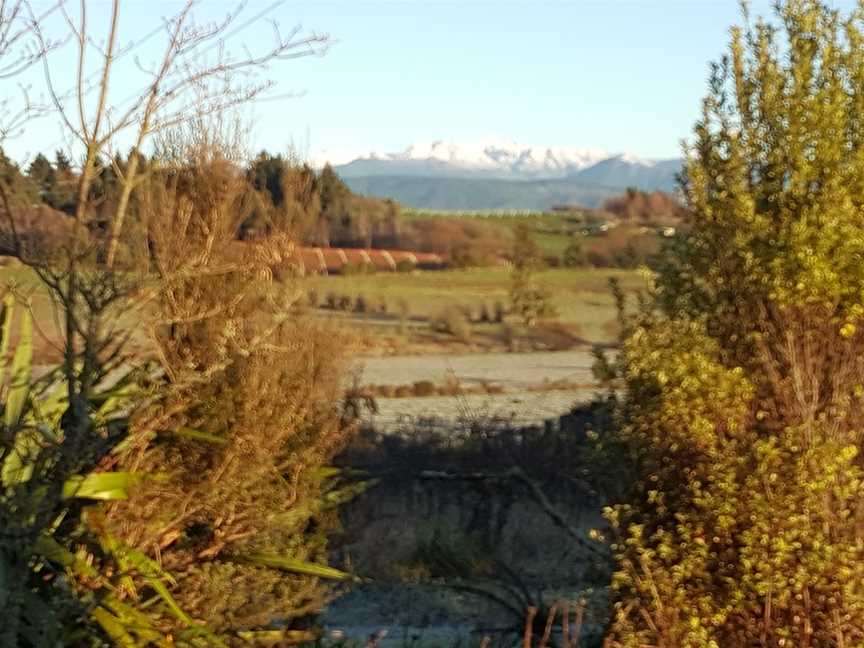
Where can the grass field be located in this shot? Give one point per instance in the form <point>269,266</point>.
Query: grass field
<point>581,297</point>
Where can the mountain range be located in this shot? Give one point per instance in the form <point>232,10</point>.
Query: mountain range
<point>500,174</point>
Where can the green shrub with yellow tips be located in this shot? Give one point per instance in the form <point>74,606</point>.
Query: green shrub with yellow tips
<point>744,368</point>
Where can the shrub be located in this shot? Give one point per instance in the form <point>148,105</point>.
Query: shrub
<point>465,243</point>
<point>424,388</point>
<point>404,265</point>
<point>404,313</point>
<point>313,298</point>
<point>455,321</point>
<point>403,391</point>
<point>552,261</point>
<point>742,376</point>
<point>500,312</point>
<point>446,551</point>
<point>244,419</point>
<point>622,247</point>
<point>655,208</point>
<point>528,299</point>
<point>360,305</point>
<point>574,255</point>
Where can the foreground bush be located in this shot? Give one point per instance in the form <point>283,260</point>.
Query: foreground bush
<point>744,375</point>
<point>246,419</point>
<point>174,491</point>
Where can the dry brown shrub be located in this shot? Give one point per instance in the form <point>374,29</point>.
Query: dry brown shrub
<point>455,321</point>
<point>424,388</point>
<point>463,242</point>
<point>621,247</point>
<point>248,411</point>
<point>656,207</point>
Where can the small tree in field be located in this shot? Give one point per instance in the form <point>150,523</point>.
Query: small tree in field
<point>528,299</point>
<point>745,375</point>
<point>574,255</point>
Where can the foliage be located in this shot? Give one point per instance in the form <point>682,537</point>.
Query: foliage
<point>19,186</point>
<point>574,255</point>
<point>445,551</point>
<point>287,199</point>
<point>622,247</point>
<point>456,322</point>
<point>247,414</point>
<point>183,500</point>
<point>486,507</point>
<point>528,299</point>
<point>465,242</point>
<point>655,208</point>
<point>743,370</point>
<point>353,220</point>
<point>62,575</point>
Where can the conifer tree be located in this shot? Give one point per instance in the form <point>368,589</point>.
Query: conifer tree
<point>61,162</point>
<point>41,172</point>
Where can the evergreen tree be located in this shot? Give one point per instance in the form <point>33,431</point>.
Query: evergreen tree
<point>574,255</point>
<point>61,162</point>
<point>265,173</point>
<point>42,173</point>
<point>19,189</point>
<point>288,198</point>
<point>745,375</point>
<point>334,192</point>
<point>61,193</point>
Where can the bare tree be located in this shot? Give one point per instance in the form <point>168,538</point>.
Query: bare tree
<point>21,49</point>
<point>215,326</point>
<point>196,74</point>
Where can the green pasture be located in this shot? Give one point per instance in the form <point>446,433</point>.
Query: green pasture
<point>580,296</point>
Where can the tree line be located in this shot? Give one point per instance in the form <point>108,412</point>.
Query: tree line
<point>282,194</point>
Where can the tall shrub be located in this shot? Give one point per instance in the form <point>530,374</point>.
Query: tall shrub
<point>529,299</point>
<point>744,376</point>
<point>247,414</point>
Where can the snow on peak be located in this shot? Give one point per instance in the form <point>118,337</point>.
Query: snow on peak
<point>633,159</point>
<point>501,155</point>
<point>490,157</point>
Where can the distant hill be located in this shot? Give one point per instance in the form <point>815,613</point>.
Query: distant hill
<point>620,171</point>
<point>452,193</point>
<point>502,175</point>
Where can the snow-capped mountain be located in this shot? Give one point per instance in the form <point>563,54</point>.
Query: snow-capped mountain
<point>497,158</point>
<point>498,174</point>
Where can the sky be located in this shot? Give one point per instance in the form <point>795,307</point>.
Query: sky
<point>618,75</point>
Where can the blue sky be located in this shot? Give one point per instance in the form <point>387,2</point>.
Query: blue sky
<point>621,75</point>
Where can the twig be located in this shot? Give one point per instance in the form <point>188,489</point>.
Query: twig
<point>529,626</point>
